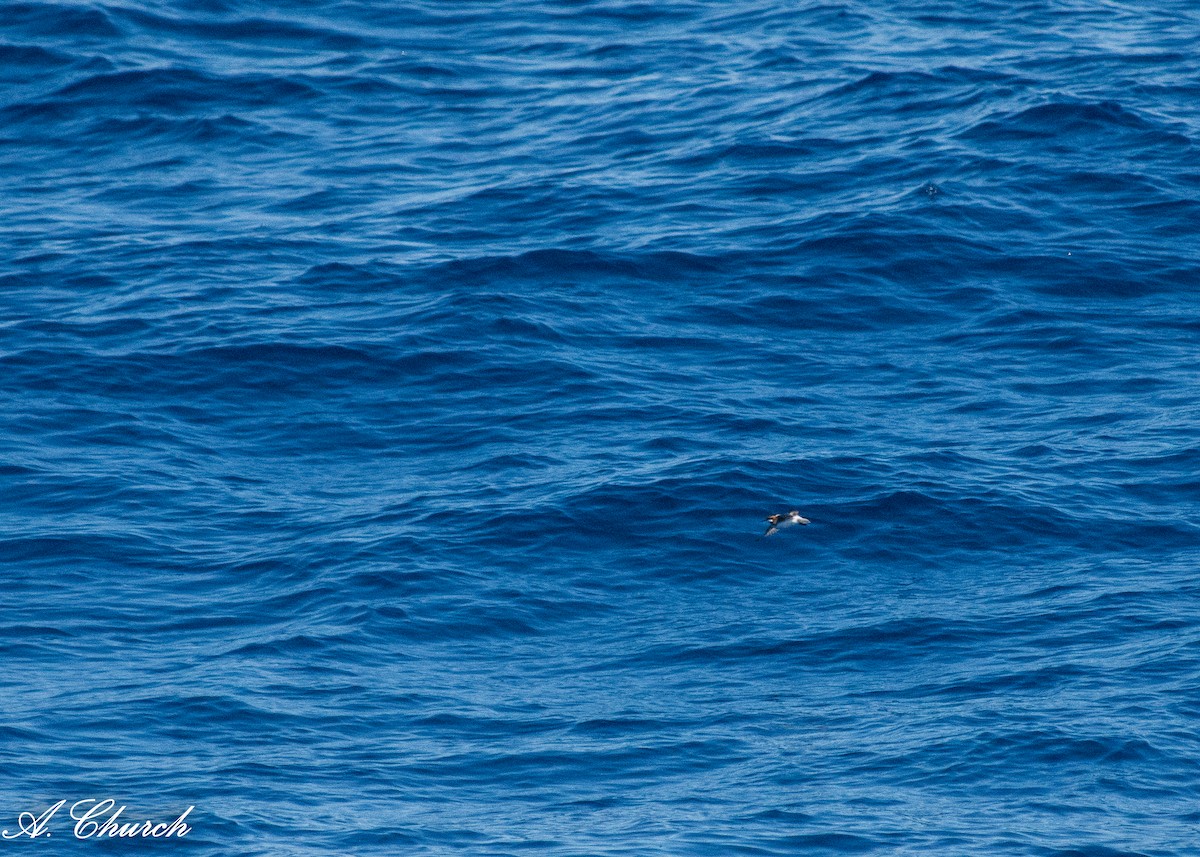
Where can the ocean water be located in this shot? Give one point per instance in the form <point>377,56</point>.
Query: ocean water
<point>393,395</point>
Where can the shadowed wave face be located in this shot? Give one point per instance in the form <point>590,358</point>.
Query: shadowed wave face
<point>394,396</point>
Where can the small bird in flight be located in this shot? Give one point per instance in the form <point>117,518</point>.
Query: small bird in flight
<point>777,522</point>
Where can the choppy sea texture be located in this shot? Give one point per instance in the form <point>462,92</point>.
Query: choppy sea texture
<point>392,396</point>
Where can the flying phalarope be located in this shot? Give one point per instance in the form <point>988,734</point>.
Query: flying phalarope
<point>778,522</point>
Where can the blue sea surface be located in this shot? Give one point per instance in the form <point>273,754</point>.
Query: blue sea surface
<point>393,395</point>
